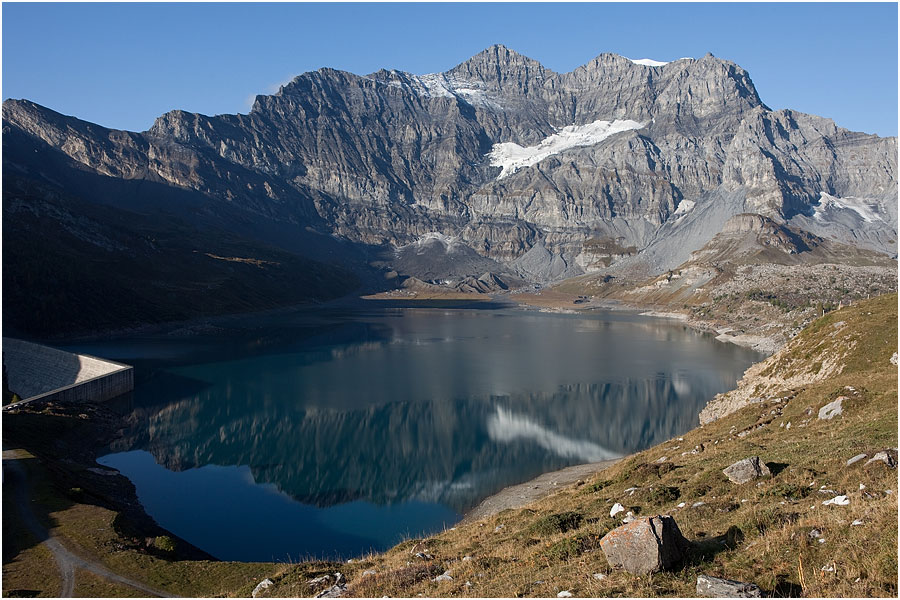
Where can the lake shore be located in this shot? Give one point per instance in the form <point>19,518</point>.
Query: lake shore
<point>516,496</point>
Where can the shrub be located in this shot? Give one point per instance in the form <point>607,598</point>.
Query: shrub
<point>164,543</point>
<point>664,494</point>
<point>557,523</point>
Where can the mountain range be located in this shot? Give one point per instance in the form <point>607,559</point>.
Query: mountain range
<point>498,171</point>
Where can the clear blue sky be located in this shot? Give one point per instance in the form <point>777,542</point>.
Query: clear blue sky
<point>122,65</point>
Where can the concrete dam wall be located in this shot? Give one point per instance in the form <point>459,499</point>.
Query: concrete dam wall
<point>37,372</point>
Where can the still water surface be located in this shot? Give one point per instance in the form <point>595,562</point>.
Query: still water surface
<point>330,434</point>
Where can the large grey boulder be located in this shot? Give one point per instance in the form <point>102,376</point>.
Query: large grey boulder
<point>746,470</point>
<point>715,587</point>
<point>832,409</point>
<point>646,545</point>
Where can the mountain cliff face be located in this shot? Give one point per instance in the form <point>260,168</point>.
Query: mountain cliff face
<point>499,153</point>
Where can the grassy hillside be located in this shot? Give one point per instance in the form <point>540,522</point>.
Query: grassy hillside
<point>777,534</point>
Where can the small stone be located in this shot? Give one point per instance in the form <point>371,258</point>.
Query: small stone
<point>335,591</point>
<point>499,528</point>
<point>746,470</point>
<point>368,572</point>
<point>714,587</point>
<point>682,504</point>
<point>599,576</point>
<point>832,409</point>
<point>564,594</point>
<point>662,459</point>
<point>466,558</point>
<point>828,568</point>
<point>837,501</point>
<point>696,504</point>
<point>445,576</point>
<point>616,509</point>
<point>265,583</point>
<point>855,459</point>
<point>319,580</point>
<point>468,584</point>
<point>814,533</point>
<point>861,487</point>
<point>788,426</point>
<point>821,540</point>
<point>629,517</point>
<point>894,359</point>
<point>884,457</point>
<point>856,523</point>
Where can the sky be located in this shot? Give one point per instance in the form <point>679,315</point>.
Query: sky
<point>122,65</point>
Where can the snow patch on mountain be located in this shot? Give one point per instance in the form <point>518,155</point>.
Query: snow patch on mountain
<point>648,62</point>
<point>441,85</point>
<point>511,157</point>
<point>684,207</point>
<point>427,241</point>
<point>867,208</point>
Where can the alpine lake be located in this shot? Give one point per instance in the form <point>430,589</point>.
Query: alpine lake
<point>330,433</point>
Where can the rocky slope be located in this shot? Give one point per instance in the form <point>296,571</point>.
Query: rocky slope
<point>755,283</point>
<point>498,153</point>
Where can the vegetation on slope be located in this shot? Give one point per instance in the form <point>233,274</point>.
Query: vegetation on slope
<point>777,534</point>
<point>98,267</point>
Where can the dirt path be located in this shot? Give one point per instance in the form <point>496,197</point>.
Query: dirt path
<point>15,476</point>
<point>515,496</point>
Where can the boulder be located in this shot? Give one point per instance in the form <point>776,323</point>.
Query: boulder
<point>832,409</point>
<point>747,470</point>
<point>714,587</point>
<point>646,545</point>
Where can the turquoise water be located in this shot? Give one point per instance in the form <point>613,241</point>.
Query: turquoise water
<point>330,434</point>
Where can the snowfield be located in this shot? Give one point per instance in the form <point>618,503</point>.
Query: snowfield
<point>648,62</point>
<point>866,208</point>
<point>512,157</point>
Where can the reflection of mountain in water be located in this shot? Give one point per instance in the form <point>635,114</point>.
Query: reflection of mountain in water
<point>454,452</point>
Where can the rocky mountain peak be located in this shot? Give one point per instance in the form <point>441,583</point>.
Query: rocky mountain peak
<point>500,68</point>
